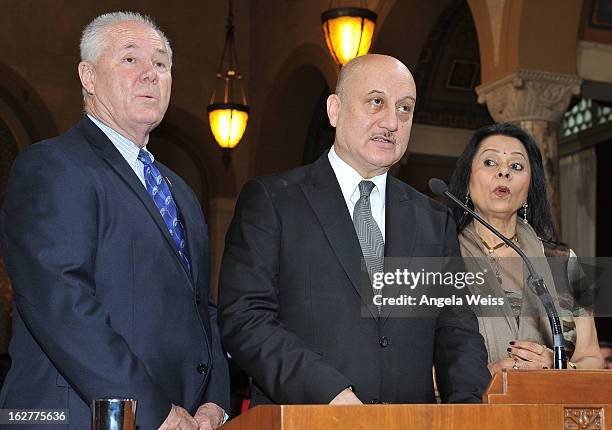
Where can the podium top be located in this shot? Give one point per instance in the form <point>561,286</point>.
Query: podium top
<point>550,387</point>
<point>546,400</point>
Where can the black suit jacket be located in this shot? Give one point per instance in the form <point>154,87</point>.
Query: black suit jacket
<point>102,306</point>
<point>291,298</point>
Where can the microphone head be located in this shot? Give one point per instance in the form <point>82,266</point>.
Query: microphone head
<point>437,186</point>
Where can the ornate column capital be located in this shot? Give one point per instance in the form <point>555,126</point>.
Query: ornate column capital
<point>528,95</point>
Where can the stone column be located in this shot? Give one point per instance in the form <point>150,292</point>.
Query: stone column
<point>221,212</point>
<point>536,101</point>
<point>579,201</point>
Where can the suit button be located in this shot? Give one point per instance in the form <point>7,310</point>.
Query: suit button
<point>198,299</point>
<point>202,368</point>
<point>383,341</point>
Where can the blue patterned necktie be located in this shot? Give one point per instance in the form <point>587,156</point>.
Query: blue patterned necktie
<point>158,189</point>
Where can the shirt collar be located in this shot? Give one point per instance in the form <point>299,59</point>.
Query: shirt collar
<point>349,179</point>
<point>128,149</point>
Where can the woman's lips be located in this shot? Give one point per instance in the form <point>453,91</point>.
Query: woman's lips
<point>502,191</point>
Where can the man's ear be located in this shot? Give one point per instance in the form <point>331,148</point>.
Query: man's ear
<point>87,74</point>
<point>333,109</point>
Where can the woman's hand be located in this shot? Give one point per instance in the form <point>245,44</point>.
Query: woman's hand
<point>523,354</point>
<point>502,363</point>
<point>531,355</point>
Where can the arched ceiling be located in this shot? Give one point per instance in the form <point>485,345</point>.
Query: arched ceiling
<point>526,34</point>
<point>438,42</point>
<point>405,29</point>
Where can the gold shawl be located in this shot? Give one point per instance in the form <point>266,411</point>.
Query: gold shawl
<point>500,329</point>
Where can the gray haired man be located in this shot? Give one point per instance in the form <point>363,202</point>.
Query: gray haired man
<point>107,252</point>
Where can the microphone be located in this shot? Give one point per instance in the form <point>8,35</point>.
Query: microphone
<point>438,187</point>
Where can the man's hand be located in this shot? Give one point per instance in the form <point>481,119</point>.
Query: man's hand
<point>179,419</point>
<point>346,397</point>
<point>209,416</point>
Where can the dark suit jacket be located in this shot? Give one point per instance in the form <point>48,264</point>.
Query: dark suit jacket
<point>291,298</point>
<point>102,305</point>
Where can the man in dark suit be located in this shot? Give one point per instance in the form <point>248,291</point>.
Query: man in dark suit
<point>108,256</point>
<point>294,312</point>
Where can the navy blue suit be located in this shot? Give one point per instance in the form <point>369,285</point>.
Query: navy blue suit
<point>103,306</point>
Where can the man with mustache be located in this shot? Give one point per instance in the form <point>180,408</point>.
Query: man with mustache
<point>107,252</point>
<point>295,314</point>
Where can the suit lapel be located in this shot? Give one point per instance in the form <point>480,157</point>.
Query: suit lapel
<point>107,151</point>
<point>194,238</point>
<point>400,226</point>
<point>323,192</point>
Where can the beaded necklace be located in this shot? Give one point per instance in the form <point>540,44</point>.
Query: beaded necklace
<point>493,258</point>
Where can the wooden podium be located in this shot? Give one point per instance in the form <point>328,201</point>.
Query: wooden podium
<point>515,399</point>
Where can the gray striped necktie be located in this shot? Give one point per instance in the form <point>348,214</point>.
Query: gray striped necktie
<point>370,237</point>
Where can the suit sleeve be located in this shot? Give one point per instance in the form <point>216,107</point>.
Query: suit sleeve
<point>460,356</point>
<point>280,363</point>
<point>49,228</point>
<point>218,389</point>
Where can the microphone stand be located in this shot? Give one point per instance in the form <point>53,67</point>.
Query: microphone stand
<point>535,280</point>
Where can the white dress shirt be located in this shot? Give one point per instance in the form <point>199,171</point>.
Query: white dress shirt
<point>349,180</point>
<point>128,149</point>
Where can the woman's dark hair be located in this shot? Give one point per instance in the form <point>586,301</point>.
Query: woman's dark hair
<point>538,211</point>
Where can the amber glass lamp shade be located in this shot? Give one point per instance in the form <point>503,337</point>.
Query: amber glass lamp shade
<point>348,32</point>
<point>228,122</point>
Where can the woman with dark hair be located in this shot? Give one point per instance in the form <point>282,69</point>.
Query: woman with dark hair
<point>500,176</point>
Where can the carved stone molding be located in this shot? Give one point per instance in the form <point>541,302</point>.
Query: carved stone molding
<point>529,95</point>
<point>583,419</point>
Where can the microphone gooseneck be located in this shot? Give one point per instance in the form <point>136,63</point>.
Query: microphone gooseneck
<point>536,282</point>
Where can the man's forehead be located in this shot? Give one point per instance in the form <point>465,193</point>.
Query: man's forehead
<point>385,80</point>
<point>129,34</point>
<point>385,86</point>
